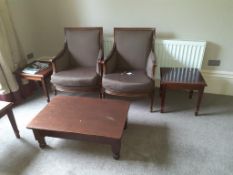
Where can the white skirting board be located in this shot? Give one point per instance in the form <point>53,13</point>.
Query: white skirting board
<point>218,82</point>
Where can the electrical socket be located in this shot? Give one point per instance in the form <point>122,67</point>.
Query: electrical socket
<point>214,62</point>
<point>30,55</point>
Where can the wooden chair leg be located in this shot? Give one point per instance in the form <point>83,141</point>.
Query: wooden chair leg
<point>152,100</point>
<point>102,93</point>
<point>162,98</point>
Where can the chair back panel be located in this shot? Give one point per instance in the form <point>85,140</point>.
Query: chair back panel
<point>84,45</point>
<point>133,46</point>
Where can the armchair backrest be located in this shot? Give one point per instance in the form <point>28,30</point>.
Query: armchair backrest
<point>84,45</point>
<point>133,46</point>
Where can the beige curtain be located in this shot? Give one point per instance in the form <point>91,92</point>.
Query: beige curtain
<point>10,55</point>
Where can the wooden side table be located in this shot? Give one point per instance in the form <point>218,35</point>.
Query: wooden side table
<point>40,76</point>
<point>6,109</point>
<point>181,78</point>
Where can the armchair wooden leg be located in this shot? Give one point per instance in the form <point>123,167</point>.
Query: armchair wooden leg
<point>152,100</point>
<point>102,93</point>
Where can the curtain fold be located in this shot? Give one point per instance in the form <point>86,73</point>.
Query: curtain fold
<point>10,54</point>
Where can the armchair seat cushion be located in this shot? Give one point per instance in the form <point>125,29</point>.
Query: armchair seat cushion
<point>81,77</point>
<point>134,81</point>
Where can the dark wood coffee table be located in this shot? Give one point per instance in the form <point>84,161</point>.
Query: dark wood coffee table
<point>88,119</point>
<point>181,78</point>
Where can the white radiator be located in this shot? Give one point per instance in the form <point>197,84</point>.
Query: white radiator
<point>173,53</point>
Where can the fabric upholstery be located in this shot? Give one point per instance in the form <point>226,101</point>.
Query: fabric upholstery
<point>111,62</point>
<point>138,81</point>
<point>63,62</point>
<point>84,46</point>
<point>149,66</point>
<point>78,65</point>
<point>133,47</point>
<point>76,77</point>
<point>132,53</point>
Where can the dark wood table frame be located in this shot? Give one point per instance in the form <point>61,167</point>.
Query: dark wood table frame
<point>181,78</point>
<point>95,120</point>
<point>6,109</point>
<point>40,76</point>
<point>41,134</point>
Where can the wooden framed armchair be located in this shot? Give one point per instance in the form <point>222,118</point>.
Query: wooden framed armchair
<point>77,66</point>
<point>130,67</point>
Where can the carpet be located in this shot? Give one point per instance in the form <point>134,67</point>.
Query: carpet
<point>172,143</point>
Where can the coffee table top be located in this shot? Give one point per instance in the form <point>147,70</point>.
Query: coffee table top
<point>176,75</point>
<point>81,115</point>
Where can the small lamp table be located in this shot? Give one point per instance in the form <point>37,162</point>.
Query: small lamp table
<point>181,78</point>
<point>40,76</point>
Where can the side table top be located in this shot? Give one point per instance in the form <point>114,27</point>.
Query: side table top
<point>171,75</point>
<point>41,73</point>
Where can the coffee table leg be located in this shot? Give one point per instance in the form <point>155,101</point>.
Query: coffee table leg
<point>40,138</point>
<point>163,94</point>
<point>45,89</point>
<point>13,123</point>
<point>200,94</point>
<point>116,147</point>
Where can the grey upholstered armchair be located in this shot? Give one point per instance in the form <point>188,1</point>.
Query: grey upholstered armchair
<point>76,67</point>
<point>130,67</point>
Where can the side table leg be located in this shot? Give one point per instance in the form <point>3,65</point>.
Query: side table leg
<point>190,94</point>
<point>40,138</point>
<point>13,123</point>
<point>45,89</point>
<point>116,147</point>
<point>200,94</point>
<point>163,94</point>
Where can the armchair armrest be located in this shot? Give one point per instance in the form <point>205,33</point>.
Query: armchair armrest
<point>99,63</point>
<point>151,65</point>
<point>61,60</point>
<point>109,63</point>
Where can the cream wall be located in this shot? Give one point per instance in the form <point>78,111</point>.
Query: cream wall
<point>40,23</point>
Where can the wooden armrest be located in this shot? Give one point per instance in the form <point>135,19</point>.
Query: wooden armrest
<point>60,54</point>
